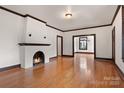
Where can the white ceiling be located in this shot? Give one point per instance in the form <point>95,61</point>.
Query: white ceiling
<point>82,15</point>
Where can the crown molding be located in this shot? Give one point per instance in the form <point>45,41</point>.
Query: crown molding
<point>116,12</point>
<point>87,28</point>
<point>11,11</point>
<point>54,28</point>
<point>27,15</point>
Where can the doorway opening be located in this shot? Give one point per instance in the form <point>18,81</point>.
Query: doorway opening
<point>85,44</point>
<point>59,45</point>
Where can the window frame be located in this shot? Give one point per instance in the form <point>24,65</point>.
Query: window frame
<point>85,40</point>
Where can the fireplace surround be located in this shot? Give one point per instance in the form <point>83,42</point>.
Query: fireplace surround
<point>33,52</point>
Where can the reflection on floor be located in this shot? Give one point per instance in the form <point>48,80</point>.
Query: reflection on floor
<point>80,71</point>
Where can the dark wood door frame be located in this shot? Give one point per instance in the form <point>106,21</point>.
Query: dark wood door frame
<point>113,44</point>
<point>122,33</point>
<point>84,35</point>
<point>58,36</point>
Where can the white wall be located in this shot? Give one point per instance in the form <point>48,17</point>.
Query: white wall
<point>118,41</point>
<point>90,44</point>
<point>103,41</point>
<point>11,31</point>
<point>38,31</point>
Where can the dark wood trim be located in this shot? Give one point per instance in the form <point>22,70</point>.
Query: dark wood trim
<point>84,35</point>
<point>11,11</point>
<point>87,28</point>
<point>67,55</point>
<point>54,28</point>
<point>33,44</point>
<point>117,10</point>
<point>122,33</point>
<point>113,44</point>
<point>85,52</point>
<point>120,72</point>
<point>52,58</point>
<point>27,15</point>
<point>58,36</point>
<point>10,67</point>
<point>104,58</point>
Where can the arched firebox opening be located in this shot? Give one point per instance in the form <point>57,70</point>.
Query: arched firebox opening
<point>38,58</point>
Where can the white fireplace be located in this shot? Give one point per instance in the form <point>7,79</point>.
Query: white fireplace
<point>28,50</point>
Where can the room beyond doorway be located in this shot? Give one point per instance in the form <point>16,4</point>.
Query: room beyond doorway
<point>84,44</point>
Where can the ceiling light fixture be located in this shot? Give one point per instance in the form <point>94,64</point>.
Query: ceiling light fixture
<point>68,12</point>
<point>68,15</point>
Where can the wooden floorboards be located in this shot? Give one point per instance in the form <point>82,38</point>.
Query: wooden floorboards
<point>65,72</point>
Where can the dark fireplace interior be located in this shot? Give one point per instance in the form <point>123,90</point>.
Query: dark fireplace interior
<point>38,58</point>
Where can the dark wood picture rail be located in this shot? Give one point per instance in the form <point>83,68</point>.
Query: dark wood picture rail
<point>33,44</point>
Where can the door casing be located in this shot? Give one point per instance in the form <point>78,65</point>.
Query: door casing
<point>58,36</point>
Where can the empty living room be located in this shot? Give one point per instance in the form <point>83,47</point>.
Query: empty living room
<point>61,46</point>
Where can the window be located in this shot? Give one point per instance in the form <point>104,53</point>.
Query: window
<point>83,43</point>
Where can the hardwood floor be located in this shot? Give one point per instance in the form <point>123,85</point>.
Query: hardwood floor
<point>65,72</point>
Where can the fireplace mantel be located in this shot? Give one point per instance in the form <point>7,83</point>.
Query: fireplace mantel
<point>33,44</point>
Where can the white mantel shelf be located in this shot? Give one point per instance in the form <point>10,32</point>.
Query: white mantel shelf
<point>33,44</point>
